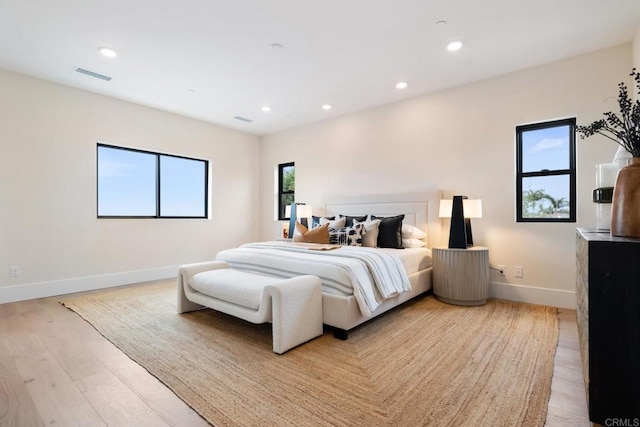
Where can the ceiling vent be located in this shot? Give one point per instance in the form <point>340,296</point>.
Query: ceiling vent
<point>243,119</point>
<point>92,74</point>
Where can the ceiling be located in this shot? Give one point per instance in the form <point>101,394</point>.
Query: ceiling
<point>214,59</point>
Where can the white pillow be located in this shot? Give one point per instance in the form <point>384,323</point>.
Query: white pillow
<point>370,238</point>
<point>336,223</point>
<point>413,243</point>
<point>411,232</point>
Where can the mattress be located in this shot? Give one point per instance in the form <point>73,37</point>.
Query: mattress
<point>370,275</point>
<point>413,259</point>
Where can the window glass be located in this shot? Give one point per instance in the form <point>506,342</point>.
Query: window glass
<point>288,178</point>
<point>136,183</point>
<point>546,172</point>
<point>182,187</point>
<point>546,197</point>
<point>545,149</point>
<point>286,200</point>
<point>286,187</point>
<point>126,183</point>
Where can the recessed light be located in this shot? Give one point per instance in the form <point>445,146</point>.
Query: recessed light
<point>276,46</point>
<point>107,51</point>
<point>191,90</point>
<point>441,22</point>
<point>266,108</point>
<point>454,45</point>
<point>401,85</point>
<point>327,107</point>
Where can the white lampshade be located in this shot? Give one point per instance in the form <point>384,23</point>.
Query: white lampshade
<point>446,205</point>
<point>472,208</point>
<point>302,211</point>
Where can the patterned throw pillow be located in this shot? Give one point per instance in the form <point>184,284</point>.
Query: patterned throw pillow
<point>349,236</point>
<point>370,236</point>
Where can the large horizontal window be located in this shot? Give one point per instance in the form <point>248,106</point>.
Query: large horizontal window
<point>143,184</point>
<point>546,172</point>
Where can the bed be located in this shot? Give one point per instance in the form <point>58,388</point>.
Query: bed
<point>341,310</point>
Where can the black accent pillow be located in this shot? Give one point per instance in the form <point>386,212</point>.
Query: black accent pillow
<point>390,231</point>
<point>349,222</point>
<point>315,220</point>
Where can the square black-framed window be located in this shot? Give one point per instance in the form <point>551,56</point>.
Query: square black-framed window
<point>286,187</point>
<point>134,183</point>
<point>546,171</point>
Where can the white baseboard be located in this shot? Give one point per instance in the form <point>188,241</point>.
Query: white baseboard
<point>28,291</point>
<point>533,295</point>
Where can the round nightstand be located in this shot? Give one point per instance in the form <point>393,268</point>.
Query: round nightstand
<point>461,276</point>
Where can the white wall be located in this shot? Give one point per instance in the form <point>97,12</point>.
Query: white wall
<point>462,141</point>
<point>636,50</point>
<point>48,224</point>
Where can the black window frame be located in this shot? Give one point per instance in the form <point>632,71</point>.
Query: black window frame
<point>281,191</point>
<point>571,172</point>
<point>158,156</point>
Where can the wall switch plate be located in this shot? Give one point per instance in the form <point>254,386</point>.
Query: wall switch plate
<point>518,270</point>
<point>14,271</point>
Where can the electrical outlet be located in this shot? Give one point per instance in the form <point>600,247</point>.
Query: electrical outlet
<point>14,271</point>
<point>519,271</point>
<point>501,269</point>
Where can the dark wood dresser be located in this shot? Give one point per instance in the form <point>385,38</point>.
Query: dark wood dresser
<point>608,311</point>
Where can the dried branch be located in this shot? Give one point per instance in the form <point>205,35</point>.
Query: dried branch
<point>623,129</point>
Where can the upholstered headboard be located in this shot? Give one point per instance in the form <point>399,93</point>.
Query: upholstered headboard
<point>419,209</point>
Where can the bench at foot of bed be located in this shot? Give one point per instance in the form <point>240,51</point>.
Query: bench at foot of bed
<point>293,306</point>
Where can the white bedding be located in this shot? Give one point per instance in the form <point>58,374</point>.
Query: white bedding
<point>370,275</point>
<point>413,259</point>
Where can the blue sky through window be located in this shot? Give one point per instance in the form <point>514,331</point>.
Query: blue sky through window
<point>546,149</point>
<point>127,184</point>
<point>182,187</point>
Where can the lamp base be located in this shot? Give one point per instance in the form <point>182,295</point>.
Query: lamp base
<point>458,230</point>
<point>460,236</point>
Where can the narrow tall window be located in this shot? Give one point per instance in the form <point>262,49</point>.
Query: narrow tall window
<point>143,184</point>
<point>286,187</point>
<point>546,172</point>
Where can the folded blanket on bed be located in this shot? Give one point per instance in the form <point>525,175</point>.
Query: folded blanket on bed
<point>370,275</point>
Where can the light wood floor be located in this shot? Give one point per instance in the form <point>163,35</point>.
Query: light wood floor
<point>568,403</point>
<point>55,369</point>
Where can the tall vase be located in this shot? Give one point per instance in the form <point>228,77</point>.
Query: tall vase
<point>625,207</point>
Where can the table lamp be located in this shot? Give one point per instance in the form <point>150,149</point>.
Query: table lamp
<point>295,211</point>
<point>460,209</point>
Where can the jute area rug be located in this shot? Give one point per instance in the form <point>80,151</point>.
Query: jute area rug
<point>424,363</point>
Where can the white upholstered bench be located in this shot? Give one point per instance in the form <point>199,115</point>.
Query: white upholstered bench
<point>293,306</point>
